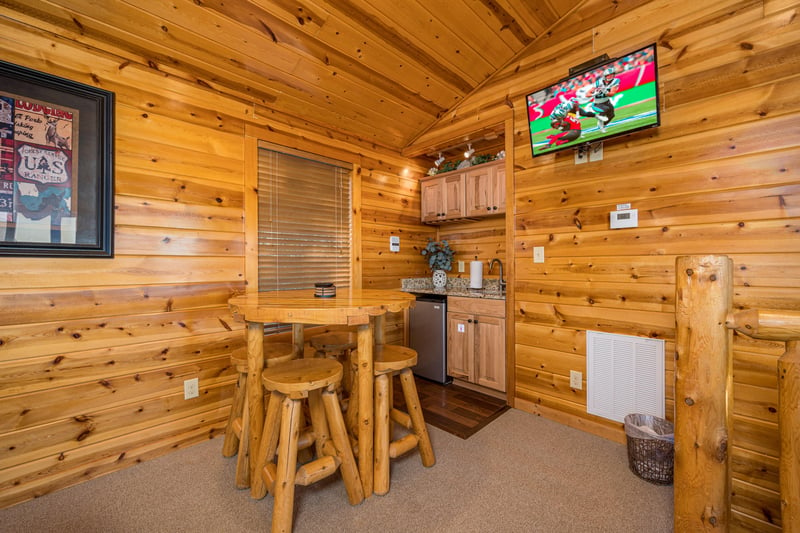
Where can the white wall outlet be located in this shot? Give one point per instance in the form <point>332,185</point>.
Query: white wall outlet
<point>596,152</point>
<point>191,388</point>
<point>538,254</point>
<point>576,379</point>
<point>394,243</point>
<point>461,266</point>
<point>581,155</point>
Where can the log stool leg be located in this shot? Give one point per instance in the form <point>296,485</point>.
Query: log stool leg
<point>349,468</point>
<point>231,443</point>
<point>382,434</point>
<point>265,465</point>
<point>287,459</point>
<point>243,461</point>
<point>417,420</point>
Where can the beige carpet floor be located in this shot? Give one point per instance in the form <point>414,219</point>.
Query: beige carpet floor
<point>520,473</point>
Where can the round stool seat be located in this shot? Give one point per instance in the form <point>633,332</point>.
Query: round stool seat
<point>274,352</point>
<point>392,358</point>
<point>302,375</point>
<point>334,341</point>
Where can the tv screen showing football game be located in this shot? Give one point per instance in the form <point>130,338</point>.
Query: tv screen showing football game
<point>612,98</point>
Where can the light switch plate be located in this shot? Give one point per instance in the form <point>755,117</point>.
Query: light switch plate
<point>461,266</point>
<point>538,254</point>
<point>576,379</point>
<point>394,243</point>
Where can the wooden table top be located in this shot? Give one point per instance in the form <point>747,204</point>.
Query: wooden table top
<point>349,306</point>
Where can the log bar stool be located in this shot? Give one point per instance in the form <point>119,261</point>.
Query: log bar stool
<point>290,383</point>
<point>236,432</point>
<point>388,360</point>
<point>337,345</point>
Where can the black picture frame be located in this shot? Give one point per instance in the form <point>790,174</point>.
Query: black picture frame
<point>56,166</point>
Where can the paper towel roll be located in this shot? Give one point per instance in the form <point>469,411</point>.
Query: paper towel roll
<point>476,274</point>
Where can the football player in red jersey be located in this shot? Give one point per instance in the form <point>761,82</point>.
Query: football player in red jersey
<point>565,118</point>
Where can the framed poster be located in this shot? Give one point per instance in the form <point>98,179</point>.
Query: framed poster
<point>56,166</point>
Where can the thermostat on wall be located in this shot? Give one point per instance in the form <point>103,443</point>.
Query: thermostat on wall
<point>627,218</point>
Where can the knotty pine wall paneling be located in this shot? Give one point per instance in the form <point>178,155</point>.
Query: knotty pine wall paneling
<point>94,352</point>
<point>718,177</point>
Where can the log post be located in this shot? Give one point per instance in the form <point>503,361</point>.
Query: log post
<point>703,393</point>
<point>789,418</point>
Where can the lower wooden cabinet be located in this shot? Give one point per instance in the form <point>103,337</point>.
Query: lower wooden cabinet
<point>476,341</point>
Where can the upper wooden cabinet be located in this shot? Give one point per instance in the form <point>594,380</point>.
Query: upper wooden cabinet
<point>443,197</point>
<point>473,192</point>
<point>486,189</point>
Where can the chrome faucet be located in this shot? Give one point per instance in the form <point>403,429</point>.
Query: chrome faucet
<point>502,281</point>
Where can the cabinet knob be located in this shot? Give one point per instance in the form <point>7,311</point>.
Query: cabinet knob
<point>495,208</point>
<point>488,208</point>
<point>475,321</point>
<point>470,321</point>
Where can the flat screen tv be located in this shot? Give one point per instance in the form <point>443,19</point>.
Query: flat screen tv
<point>613,97</point>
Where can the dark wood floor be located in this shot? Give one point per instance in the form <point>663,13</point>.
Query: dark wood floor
<point>454,409</point>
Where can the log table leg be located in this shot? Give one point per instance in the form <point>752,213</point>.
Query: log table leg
<point>365,407</point>
<point>255,397</point>
<point>298,339</point>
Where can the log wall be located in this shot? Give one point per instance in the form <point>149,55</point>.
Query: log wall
<point>94,352</point>
<point>718,177</point>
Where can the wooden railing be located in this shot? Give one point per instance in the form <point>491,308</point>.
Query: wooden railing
<point>703,394</point>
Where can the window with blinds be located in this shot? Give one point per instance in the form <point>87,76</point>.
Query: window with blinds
<point>304,220</point>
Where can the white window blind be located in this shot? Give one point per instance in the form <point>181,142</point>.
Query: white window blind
<point>304,220</point>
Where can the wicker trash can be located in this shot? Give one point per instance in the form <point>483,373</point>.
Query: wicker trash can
<point>651,447</point>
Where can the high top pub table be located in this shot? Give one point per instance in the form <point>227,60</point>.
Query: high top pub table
<point>364,308</point>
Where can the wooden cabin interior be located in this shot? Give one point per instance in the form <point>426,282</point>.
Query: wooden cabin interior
<point>94,351</point>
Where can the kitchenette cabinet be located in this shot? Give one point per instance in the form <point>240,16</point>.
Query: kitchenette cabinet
<point>470,193</point>
<point>476,341</point>
<point>485,189</point>
<point>443,197</point>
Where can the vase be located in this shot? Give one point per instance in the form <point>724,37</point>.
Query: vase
<point>439,279</point>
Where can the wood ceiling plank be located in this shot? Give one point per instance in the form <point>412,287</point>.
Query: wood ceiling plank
<point>358,45</point>
<point>161,55</point>
<point>294,38</point>
<point>410,24</point>
<point>349,95</point>
<point>381,24</point>
<point>521,21</point>
<point>479,31</point>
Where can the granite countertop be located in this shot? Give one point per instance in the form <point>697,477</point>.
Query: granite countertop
<point>455,287</point>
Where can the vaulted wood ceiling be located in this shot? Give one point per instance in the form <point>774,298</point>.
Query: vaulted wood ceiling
<point>378,71</point>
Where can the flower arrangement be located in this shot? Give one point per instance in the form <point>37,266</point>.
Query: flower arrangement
<point>439,254</point>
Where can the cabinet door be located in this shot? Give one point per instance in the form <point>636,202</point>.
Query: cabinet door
<point>498,189</point>
<point>478,183</point>
<point>432,200</point>
<point>454,196</point>
<point>490,352</point>
<point>460,346</point>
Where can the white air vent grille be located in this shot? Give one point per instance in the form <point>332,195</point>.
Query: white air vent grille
<point>624,374</point>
